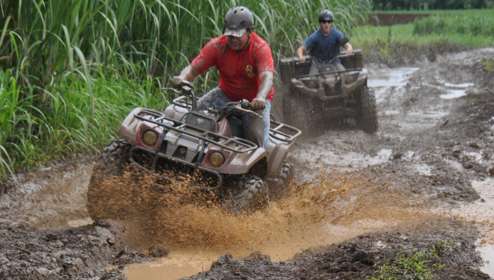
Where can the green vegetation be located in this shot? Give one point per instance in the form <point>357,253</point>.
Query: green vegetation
<point>468,28</point>
<point>419,265</point>
<point>473,23</point>
<point>70,72</point>
<point>430,4</point>
<point>77,116</point>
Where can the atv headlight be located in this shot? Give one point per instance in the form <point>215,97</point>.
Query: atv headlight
<point>216,159</point>
<point>149,137</point>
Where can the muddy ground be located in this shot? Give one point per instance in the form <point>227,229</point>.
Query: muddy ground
<point>413,195</point>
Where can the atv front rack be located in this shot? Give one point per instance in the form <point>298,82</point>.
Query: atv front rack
<point>157,155</point>
<point>337,72</point>
<point>233,144</point>
<point>182,102</point>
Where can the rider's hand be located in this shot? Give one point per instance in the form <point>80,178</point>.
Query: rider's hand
<point>176,80</point>
<point>301,59</point>
<point>257,104</point>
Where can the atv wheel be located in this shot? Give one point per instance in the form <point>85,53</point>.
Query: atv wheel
<point>102,203</point>
<point>280,186</point>
<point>286,173</point>
<point>249,193</point>
<point>367,118</point>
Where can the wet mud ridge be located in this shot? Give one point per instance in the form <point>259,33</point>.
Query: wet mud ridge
<point>446,254</point>
<point>89,252</point>
<point>413,201</point>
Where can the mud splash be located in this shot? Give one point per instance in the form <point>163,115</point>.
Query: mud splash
<point>327,211</point>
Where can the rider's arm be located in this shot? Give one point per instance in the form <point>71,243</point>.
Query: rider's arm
<point>266,85</point>
<point>265,69</point>
<point>308,44</point>
<point>344,42</point>
<point>188,73</point>
<point>348,48</point>
<point>206,58</point>
<point>266,78</point>
<point>301,52</point>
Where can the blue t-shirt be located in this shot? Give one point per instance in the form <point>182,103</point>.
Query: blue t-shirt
<point>325,47</point>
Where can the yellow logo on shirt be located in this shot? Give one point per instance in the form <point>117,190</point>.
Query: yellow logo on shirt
<point>249,70</point>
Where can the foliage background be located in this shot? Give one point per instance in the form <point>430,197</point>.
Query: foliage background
<point>431,4</point>
<point>72,69</point>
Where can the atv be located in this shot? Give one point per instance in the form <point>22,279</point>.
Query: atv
<point>182,138</point>
<point>328,98</point>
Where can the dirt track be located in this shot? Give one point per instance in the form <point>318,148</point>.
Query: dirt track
<point>422,184</point>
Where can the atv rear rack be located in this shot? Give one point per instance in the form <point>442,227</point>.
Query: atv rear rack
<point>283,132</point>
<point>233,144</point>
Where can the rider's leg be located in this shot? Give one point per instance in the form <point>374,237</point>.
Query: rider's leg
<point>257,129</point>
<point>314,68</point>
<point>214,98</point>
<point>331,66</point>
<point>266,117</point>
<point>339,66</point>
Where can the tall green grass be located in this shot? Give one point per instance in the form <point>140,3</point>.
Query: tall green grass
<point>75,118</point>
<point>462,29</point>
<point>46,36</point>
<point>71,70</point>
<point>481,24</point>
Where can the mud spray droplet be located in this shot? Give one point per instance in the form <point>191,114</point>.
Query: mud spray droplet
<point>196,231</point>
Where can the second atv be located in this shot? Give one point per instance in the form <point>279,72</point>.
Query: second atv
<point>329,97</point>
<point>185,139</point>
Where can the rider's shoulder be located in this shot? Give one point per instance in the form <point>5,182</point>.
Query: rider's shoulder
<point>316,34</point>
<point>218,43</point>
<point>337,31</point>
<point>258,42</point>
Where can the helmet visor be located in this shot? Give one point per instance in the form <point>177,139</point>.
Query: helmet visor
<point>235,32</point>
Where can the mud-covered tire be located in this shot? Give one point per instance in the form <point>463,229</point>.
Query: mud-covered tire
<point>247,193</point>
<point>367,118</point>
<point>101,201</point>
<point>281,185</point>
<point>286,173</point>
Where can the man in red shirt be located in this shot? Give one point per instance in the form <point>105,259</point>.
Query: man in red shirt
<point>245,64</point>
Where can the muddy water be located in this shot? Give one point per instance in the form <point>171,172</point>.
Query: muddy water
<point>56,198</point>
<point>326,212</point>
<point>481,212</point>
<point>487,253</point>
<point>347,150</point>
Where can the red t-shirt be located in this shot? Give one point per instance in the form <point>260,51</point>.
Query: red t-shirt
<point>239,70</point>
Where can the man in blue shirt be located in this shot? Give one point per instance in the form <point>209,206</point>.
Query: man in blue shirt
<point>324,45</point>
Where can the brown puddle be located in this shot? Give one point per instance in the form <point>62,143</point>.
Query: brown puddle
<point>316,214</point>
<point>51,199</point>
